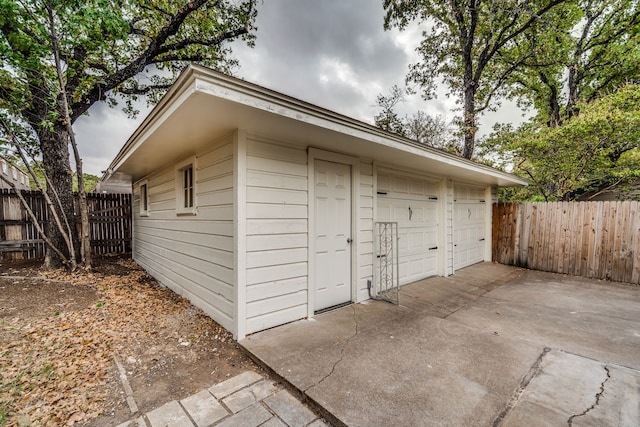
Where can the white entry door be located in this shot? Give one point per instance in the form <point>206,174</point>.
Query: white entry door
<point>332,234</point>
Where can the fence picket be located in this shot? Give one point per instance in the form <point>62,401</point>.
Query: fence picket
<point>635,248</point>
<point>591,239</point>
<point>109,219</point>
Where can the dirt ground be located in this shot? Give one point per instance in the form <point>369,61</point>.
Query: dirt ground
<point>60,335</point>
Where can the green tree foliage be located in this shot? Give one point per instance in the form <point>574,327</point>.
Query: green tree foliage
<point>434,131</point>
<point>90,181</point>
<point>474,46</point>
<point>388,119</point>
<point>109,49</point>
<point>598,52</point>
<point>598,146</point>
<point>419,126</point>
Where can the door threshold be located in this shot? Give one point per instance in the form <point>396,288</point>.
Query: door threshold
<point>333,307</point>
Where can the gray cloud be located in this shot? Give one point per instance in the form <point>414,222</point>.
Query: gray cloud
<point>331,53</point>
<point>101,134</point>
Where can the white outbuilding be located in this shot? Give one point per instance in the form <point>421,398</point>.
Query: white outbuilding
<point>262,209</point>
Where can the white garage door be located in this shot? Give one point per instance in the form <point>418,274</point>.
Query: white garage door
<point>469,226</point>
<point>413,204</point>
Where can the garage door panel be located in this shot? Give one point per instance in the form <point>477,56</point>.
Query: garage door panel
<point>415,242</point>
<point>419,239</point>
<point>417,267</point>
<point>412,203</point>
<point>469,224</point>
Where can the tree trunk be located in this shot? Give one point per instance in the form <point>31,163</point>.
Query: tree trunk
<point>469,120</point>
<point>572,87</point>
<point>55,157</point>
<point>85,247</point>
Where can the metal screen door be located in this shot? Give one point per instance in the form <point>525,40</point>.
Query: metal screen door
<point>387,283</point>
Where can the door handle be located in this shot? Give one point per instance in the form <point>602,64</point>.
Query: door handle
<point>349,240</point>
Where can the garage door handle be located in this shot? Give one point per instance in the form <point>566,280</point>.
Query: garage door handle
<point>381,256</point>
<point>435,247</point>
<point>482,240</point>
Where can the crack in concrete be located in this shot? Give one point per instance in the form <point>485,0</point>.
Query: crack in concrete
<point>533,372</point>
<point>596,403</point>
<point>344,346</point>
<point>465,305</point>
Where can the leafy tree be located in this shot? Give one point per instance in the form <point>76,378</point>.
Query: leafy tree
<point>434,131</point>
<point>598,145</point>
<point>90,181</point>
<point>419,126</point>
<point>388,119</point>
<point>599,54</point>
<point>108,49</point>
<point>474,46</point>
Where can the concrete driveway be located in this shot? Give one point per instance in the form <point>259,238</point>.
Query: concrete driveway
<point>492,345</point>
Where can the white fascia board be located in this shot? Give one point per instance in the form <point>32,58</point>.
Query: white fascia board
<point>182,88</point>
<point>199,79</point>
<point>242,92</point>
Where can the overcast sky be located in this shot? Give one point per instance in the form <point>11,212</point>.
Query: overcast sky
<point>331,53</point>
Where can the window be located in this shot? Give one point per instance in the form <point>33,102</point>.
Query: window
<point>144,199</point>
<point>4,168</point>
<point>186,187</point>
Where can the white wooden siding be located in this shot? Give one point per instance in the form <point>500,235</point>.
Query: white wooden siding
<point>192,255</point>
<point>365,233</point>
<point>277,241</point>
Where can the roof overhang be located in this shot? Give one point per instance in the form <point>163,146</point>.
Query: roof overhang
<point>204,105</point>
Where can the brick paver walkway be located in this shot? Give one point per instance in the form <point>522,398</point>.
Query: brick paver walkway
<point>247,400</point>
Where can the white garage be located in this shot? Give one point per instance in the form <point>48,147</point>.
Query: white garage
<point>413,203</point>
<point>285,200</point>
<point>469,226</point>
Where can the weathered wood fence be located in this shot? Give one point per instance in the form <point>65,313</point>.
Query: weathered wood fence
<point>109,219</point>
<point>592,239</point>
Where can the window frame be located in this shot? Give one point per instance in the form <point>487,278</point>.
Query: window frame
<point>186,187</point>
<point>144,202</point>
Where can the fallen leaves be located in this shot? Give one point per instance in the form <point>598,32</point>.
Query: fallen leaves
<point>53,369</point>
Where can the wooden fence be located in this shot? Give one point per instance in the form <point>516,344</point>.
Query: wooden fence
<point>592,239</point>
<point>109,220</point>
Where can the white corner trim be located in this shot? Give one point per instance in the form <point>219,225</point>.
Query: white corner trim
<point>488,233</point>
<point>240,232</point>
<point>443,229</point>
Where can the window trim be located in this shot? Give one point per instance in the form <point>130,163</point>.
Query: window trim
<point>182,191</point>
<point>144,203</point>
